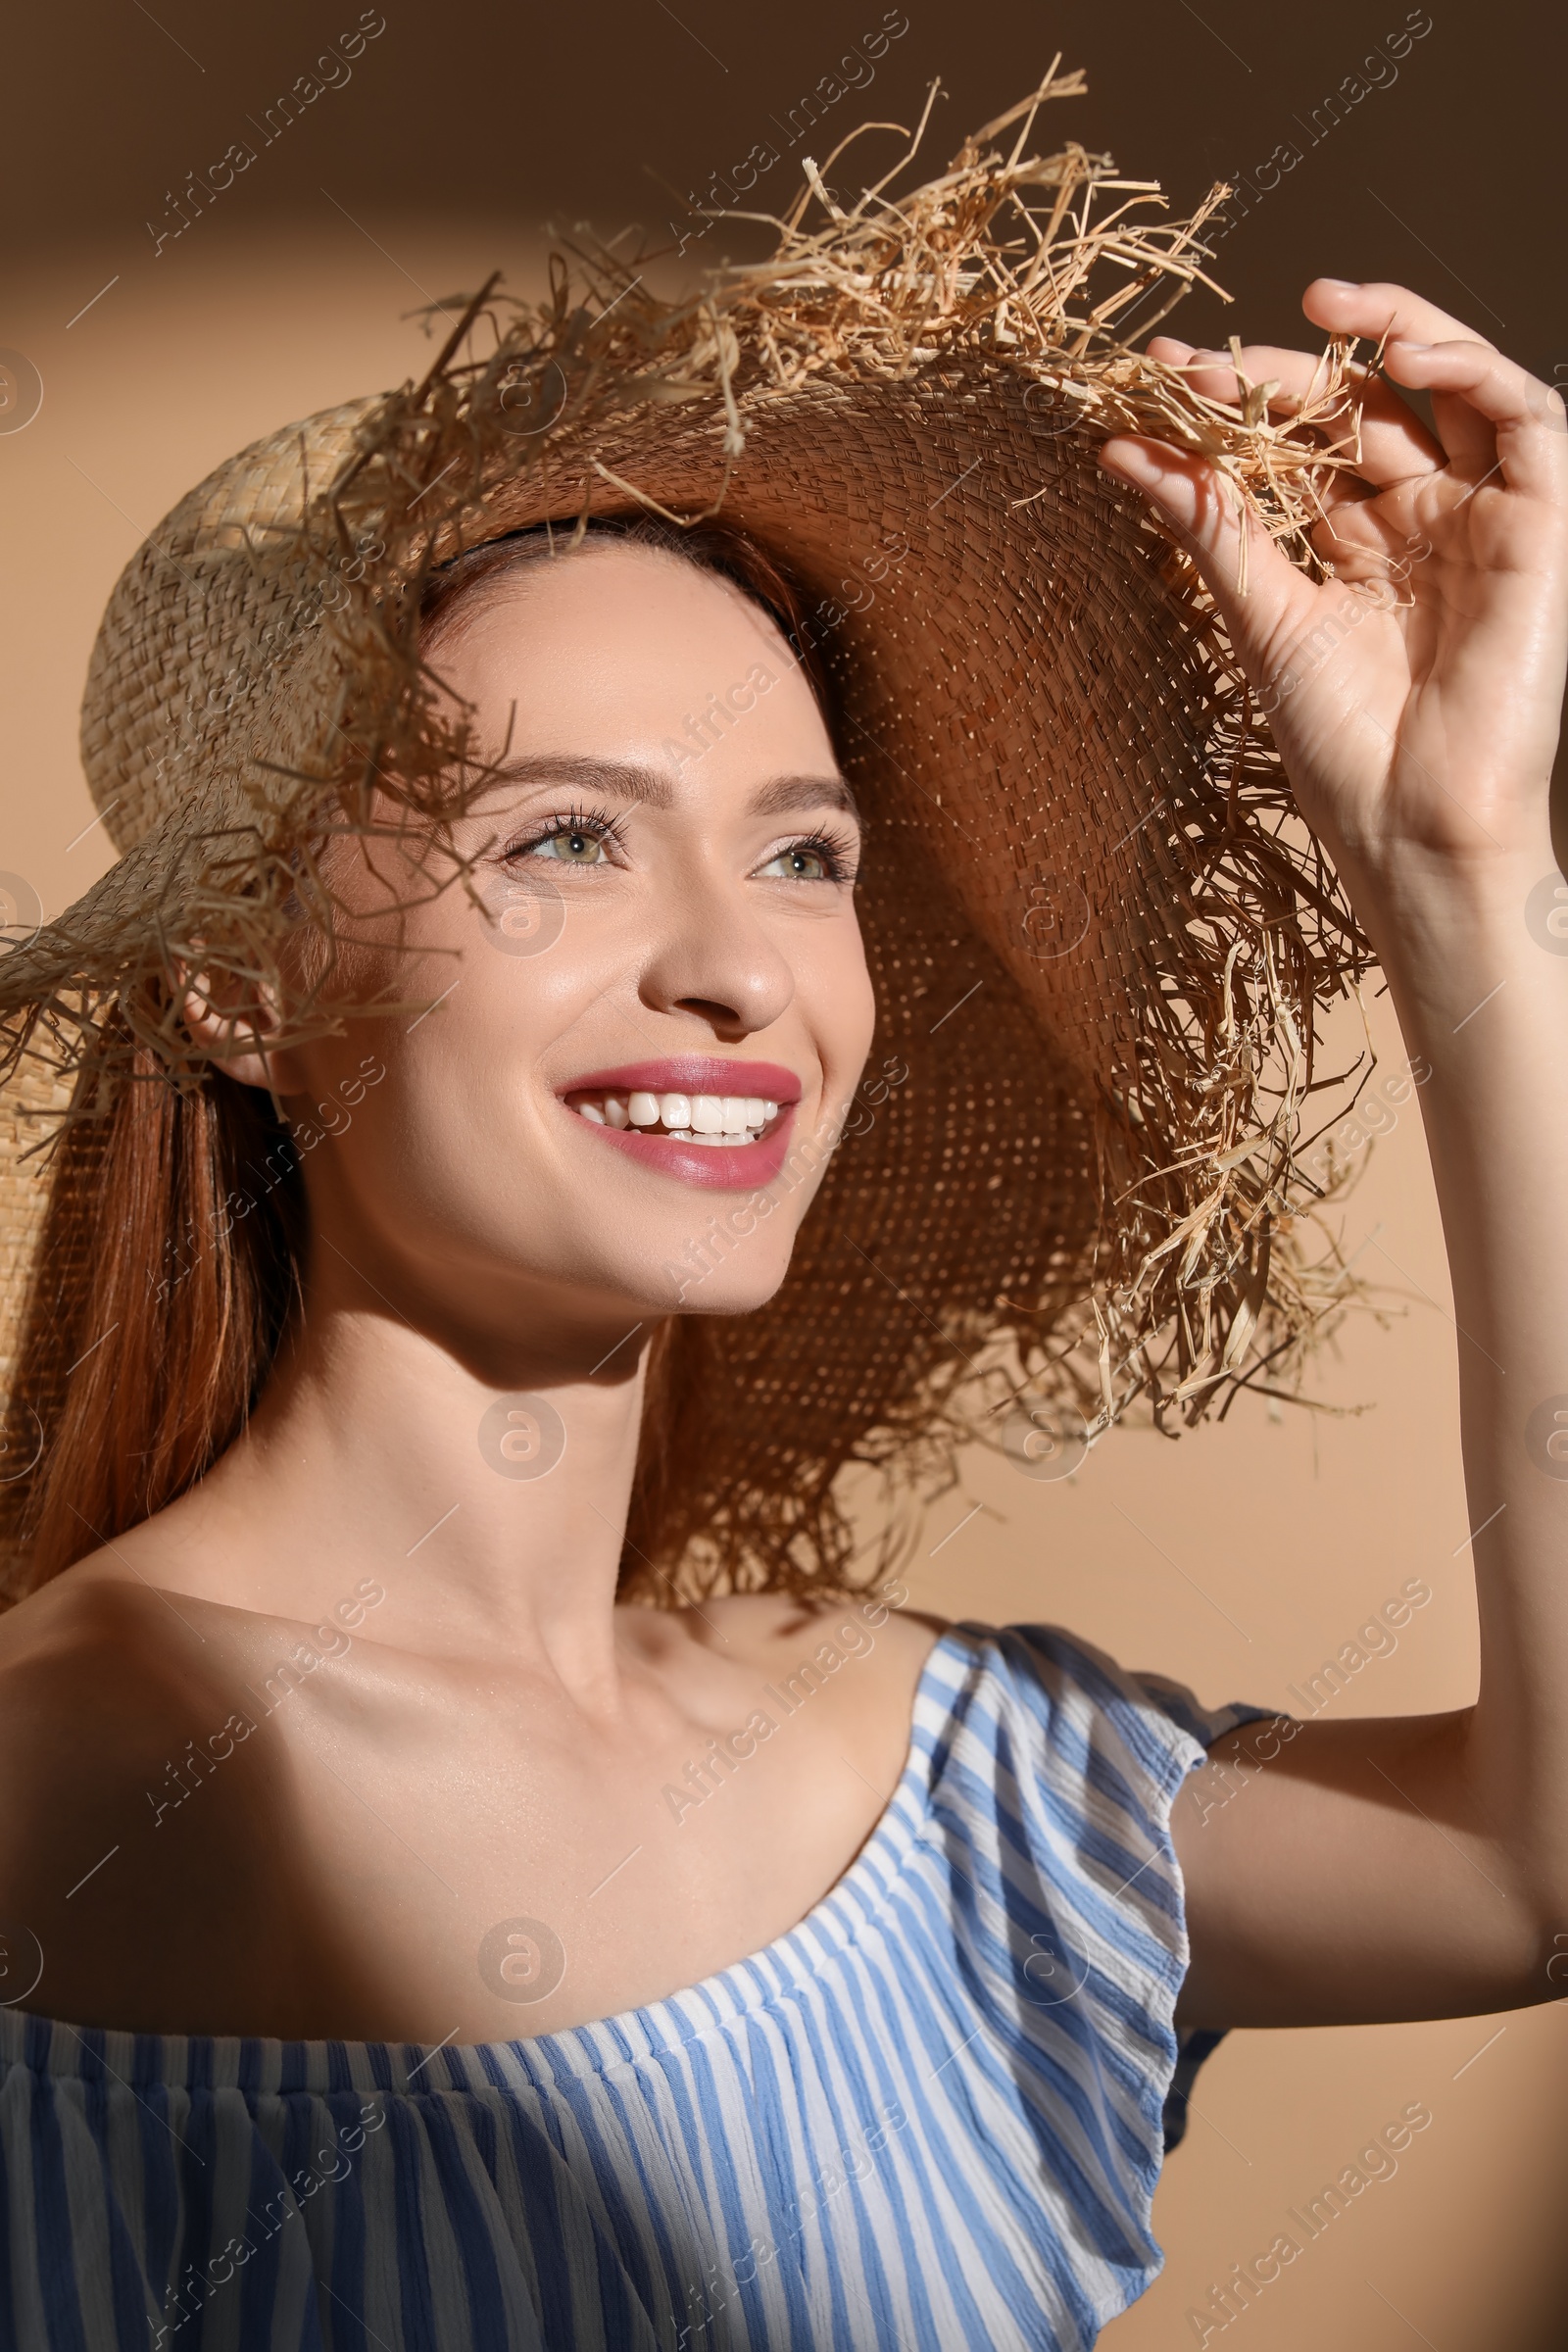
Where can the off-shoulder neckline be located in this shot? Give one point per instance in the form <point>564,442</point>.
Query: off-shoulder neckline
<point>778,1971</point>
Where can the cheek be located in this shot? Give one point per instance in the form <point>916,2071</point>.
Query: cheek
<point>459,1156</point>
<point>460,1113</point>
<point>833,990</point>
<point>442,1143</point>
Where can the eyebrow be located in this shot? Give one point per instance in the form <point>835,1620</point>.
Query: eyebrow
<point>784,793</point>
<point>627,779</point>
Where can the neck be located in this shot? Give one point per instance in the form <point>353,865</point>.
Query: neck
<point>481,1478</point>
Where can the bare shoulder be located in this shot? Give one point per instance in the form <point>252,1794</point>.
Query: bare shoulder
<point>842,1671</point>
<point>848,1664</point>
<point>90,1648</point>
<point>776,1631</point>
<point>117,1715</point>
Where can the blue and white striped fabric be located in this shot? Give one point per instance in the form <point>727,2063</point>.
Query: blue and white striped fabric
<point>929,2116</point>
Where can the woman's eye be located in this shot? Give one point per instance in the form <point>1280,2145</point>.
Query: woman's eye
<point>570,846</point>
<point>801,863</point>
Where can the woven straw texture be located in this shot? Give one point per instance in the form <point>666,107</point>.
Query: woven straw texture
<point>1098,934</point>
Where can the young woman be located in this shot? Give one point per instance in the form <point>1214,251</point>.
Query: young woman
<point>444,1950</point>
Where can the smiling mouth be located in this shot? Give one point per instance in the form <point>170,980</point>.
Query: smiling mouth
<point>718,1121</point>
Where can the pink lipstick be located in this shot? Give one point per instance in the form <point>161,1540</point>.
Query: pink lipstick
<point>702,1118</point>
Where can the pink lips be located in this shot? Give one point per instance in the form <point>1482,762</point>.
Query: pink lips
<point>741,1167</point>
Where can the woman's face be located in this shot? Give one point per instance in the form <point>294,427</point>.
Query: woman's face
<point>645,1041</point>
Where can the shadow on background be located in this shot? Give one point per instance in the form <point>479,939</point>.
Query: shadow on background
<point>216,222</point>
<point>1432,163</point>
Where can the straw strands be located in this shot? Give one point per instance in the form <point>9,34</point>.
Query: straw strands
<point>259,688</point>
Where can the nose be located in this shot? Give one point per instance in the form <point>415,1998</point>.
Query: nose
<point>715,961</point>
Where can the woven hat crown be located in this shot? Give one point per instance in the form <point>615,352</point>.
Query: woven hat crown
<point>1098,933</point>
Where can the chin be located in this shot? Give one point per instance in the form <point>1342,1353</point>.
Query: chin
<point>714,1296</point>
<point>709,1271</point>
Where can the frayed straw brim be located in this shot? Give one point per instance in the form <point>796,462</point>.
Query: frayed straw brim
<point>1099,935</point>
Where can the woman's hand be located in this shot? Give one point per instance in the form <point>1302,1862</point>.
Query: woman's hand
<point>1415,696</point>
<point>1418,1866</point>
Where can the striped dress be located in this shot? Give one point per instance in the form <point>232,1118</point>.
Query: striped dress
<point>930,2117</point>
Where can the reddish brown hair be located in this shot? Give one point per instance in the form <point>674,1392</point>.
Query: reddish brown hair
<point>171,1253</point>
<point>166,1269</point>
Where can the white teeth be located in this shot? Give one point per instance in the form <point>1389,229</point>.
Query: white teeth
<point>718,1119</point>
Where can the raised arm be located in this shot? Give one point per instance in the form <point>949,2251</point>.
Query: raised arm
<point>1418,1866</point>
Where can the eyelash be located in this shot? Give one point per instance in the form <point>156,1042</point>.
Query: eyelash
<point>597,824</point>
<point>836,850</point>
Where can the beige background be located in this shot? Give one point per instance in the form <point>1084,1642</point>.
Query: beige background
<point>1237,1559</point>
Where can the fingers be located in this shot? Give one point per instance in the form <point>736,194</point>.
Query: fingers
<point>1395,442</point>
<point>1491,412</point>
<point>1493,418</point>
<point>1380,309</point>
<point>1373,541</point>
<point>1298,374</point>
<point>1209,519</point>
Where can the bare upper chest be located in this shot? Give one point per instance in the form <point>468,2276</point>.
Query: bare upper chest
<point>360,1847</point>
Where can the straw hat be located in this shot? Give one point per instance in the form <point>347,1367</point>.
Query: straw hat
<point>1097,932</point>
